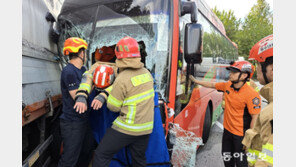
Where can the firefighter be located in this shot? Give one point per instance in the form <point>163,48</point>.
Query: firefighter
<point>259,139</point>
<point>132,95</point>
<point>77,138</point>
<point>242,106</point>
<point>101,82</point>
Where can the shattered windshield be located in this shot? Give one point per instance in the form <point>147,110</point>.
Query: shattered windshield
<point>104,24</point>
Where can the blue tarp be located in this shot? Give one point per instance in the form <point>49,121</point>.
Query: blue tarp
<point>156,153</point>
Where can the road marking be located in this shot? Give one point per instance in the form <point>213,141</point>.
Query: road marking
<point>219,125</point>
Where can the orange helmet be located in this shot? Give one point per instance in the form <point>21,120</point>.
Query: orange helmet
<point>104,54</point>
<point>73,44</point>
<point>242,66</point>
<point>127,47</point>
<point>103,76</point>
<point>262,49</point>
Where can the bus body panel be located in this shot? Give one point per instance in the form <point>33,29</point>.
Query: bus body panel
<point>174,59</point>
<point>192,117</point>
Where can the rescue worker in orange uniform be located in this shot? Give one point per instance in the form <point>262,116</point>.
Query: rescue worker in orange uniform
<point>250,83</point>
<point>259,139</point>
<point>242,106</point>
<point>132,95</point>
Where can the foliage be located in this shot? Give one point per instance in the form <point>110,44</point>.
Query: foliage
<point>230,22</point>
<point>247,32</point>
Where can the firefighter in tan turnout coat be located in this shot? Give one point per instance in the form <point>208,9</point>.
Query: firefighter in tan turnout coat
<point>132,95</point>
<point>88,82</point>
<point>259,140</point>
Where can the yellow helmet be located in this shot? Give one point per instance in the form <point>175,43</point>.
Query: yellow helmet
<point>73,44</point>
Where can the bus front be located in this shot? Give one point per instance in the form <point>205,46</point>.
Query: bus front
<point>104,23</point>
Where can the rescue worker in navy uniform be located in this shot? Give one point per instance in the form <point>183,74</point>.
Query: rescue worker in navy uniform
<point>259,139</point>
<point>242,106</point>
<point>78,141</point>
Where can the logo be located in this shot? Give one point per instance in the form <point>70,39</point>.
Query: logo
<point>265,46</point>
<point>72,84</point>
<point>256,101</point>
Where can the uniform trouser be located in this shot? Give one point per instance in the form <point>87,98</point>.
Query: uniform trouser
<point>232,150</point>
<point>113,141</point>
<point>78,144</point>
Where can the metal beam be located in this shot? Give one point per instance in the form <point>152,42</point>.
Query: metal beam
<point>33,157</point>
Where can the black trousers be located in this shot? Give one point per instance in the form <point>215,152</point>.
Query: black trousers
<point>232,150</point>
<point>78,144</point>
<point>113,141</point>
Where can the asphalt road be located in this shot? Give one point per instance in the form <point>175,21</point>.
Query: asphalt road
<point>209,155</point>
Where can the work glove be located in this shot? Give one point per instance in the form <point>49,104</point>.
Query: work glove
<point>80,104</point>
<point>81,99</point>
<point>101,98</point>
<point>98,102</point>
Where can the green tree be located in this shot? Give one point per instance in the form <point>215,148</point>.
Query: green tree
<point>258,24</point>
<point>245,33</point>
<point>230,22</point>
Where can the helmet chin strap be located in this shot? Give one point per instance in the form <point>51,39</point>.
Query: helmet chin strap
<point>237,81</point>
<point>82,59</point>
<point>263,67</point>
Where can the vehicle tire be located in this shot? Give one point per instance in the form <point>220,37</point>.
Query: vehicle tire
<point>207,125</point>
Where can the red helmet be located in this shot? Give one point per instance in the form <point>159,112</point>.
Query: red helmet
<point>127,47</point>
<point>242,66</point>
<point>103,76</point>
<point>262,49</point>
<point>73,44</point>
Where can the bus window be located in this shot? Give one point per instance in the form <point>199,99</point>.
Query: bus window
<point>182,97</point>
<point>221,74</point>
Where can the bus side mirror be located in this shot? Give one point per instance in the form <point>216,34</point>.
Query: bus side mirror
<point>193,43</point>
<point>189,7</point>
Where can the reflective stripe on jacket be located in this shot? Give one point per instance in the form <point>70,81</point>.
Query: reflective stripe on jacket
<point>266,155</point>
<point>132,95</point>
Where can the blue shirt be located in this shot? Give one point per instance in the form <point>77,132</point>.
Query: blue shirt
<point>70,80</point>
